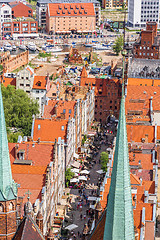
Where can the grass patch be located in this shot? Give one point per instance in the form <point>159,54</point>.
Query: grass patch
<point>44,55</point>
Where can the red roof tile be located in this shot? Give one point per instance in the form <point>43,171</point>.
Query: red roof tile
<point>9,81</point>
<point>71,9</point>
<point>39,82</point>
<point>48,130</point>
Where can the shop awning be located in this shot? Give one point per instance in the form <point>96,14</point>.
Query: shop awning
<point>82,178</point>
<point>85,172</point>
<point>74,180</point>
<point>75,164</point>
<point>71,227</point>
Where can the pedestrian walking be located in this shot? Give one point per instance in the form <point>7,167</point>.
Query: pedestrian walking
<point>81,217</point>
<point>84,216</point>
<point>78,233</point>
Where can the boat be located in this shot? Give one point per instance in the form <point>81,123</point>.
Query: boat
<point>100,47</point>
<point>22,47</point>
<point>1,49</point>
<point>14,48</point>
<point>88,44</point>
<point>52,49</point>
<point>32,46</point>
<point>7,47</point>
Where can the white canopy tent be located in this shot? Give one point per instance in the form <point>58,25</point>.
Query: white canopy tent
<point>100,171</point>
<point>71,227</point>
<point>85,172</point>
<point>82,178</point>
<point>92,198</point>
<point>75,170</point>
<point>74,180</point>
<point>75,164</point>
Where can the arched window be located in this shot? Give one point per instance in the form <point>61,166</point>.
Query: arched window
<point>1,207</point>
<point>11,206</point>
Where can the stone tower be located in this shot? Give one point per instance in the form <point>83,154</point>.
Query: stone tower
<point>8,188</point>
<point>119,222</point>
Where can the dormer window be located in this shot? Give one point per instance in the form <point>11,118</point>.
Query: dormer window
<point>39,126</point>
<point>85,12</point>
<point>82,7</point>
<point>39,83</point>
<point>21,154</point>
<point>59,7</point>
<point>71,7</point>
<point>58,12</point>
<point>62,128</point>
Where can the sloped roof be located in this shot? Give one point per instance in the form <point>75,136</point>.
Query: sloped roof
<point>57,107</point>
<point>28,230</point>
<point>48,130</point>
<point>9,81</point>
<point>39,82</point>
<point>71,9</point>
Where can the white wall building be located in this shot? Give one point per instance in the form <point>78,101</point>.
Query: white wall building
<point>5,14</point>
<point>142,11</point>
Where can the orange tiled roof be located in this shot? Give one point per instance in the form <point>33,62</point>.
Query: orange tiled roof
<point>143,82</point>
<point>58,107</point>
<point>71,9</point>
<point>138,99</point>
<point>135,133</point>
<point>139,159</point>
<point>39,82</point>
<point>40,154</point>
<point>49,130</point>
<point>9,81</point>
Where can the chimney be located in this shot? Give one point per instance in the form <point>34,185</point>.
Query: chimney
<point>155,133</point>
<point>146,138</point>
<point>16,151</point>
<point>151,110</point>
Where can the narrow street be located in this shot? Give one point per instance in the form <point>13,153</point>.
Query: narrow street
<point>78,215</point>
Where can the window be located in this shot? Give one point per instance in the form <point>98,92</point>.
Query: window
<point>39,126</point>
<point>25,24</point>
<point>111,101</point>
<point>95,106</point>
<point>27,85</point>
<point>62,128</point>
<point>33,29</point>
<point>100,113</point>
<point>100,106</point>
<point>29,11</point>
<point>11,206</point>
<point>70,110</point>
<point>64,111</point>
<point>1,207</point>
<point>21,84</point>
<point>37,91</point>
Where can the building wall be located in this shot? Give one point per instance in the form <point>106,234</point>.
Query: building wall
<point>40,96</point>
<point>20,27</point>
<point>79,23</point>
<point>21,10</point>
<point>10,64</point>
<point>24,81</point>
<point>112,4</point>
<point>140,12</point>
<point>6,14</point>
<point>8,224</point>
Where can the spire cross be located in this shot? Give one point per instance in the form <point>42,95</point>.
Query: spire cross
<point>28,193</point>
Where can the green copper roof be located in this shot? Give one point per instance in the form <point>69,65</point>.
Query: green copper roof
<point>8,188</point>
<point>119,223</point>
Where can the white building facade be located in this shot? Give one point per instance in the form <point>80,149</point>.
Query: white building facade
<point>5,14</point>
<point>142,11</point>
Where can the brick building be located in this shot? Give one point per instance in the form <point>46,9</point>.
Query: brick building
<point>23,27</point>
<point>112,4</point>
<point>107,95</point>
<point>20,9</point>
<point>148,45</point>
<point>67,17</point>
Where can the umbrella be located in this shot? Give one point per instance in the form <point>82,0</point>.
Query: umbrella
<point>82,178</point>
<point>100,171</point>
<point>75,170</point>
<point>74,180</point>
<point>84,172</point>
<point>71,227</point>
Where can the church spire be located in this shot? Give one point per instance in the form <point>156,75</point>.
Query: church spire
<point>8,188</point>
<point>119,222</point>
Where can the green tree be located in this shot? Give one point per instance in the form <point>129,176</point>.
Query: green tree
<point>68,176</point>
<point>104,161</point>
<point>19,109</point>
<point>118,45</point>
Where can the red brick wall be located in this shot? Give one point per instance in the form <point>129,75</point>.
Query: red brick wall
<point>8,221</point>
<point>19,28</point>
<point>16,62</point>
<point>21,10</point>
